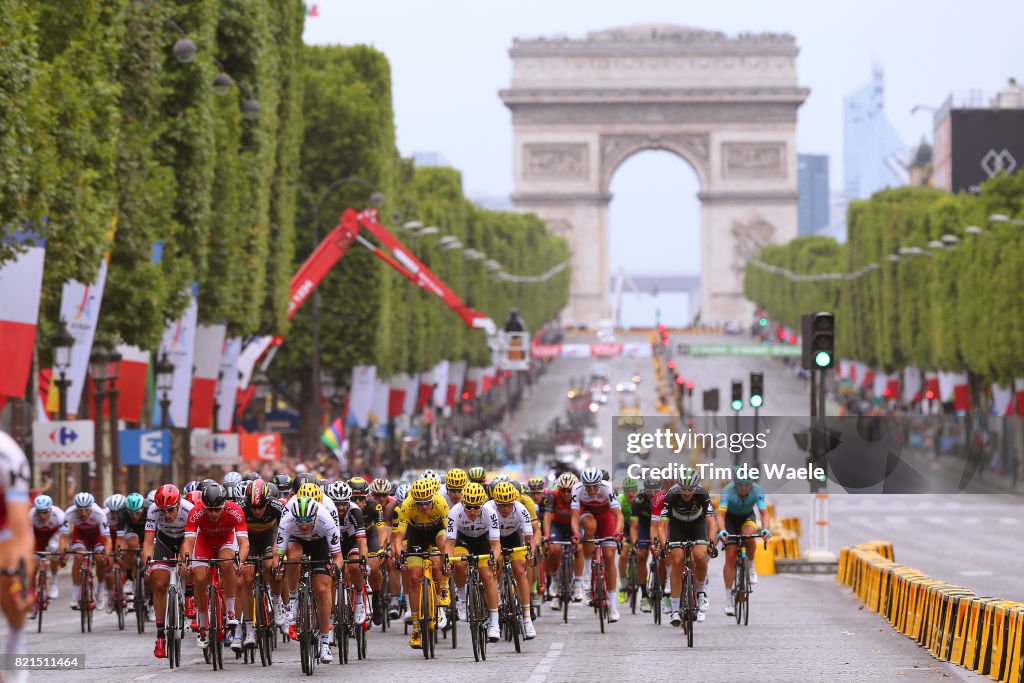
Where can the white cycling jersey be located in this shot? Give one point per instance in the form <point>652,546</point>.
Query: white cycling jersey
<point>518,520</point>
<point>173,530</point>
<point>486,522</point>
<point>323,527</point>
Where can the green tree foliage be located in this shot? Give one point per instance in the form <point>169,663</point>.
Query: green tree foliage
<point>955,309</point>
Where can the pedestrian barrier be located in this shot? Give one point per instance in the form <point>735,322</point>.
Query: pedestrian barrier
<point>954,624</point>
<point>788,524</point>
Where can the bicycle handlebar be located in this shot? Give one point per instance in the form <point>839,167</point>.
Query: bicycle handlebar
<point>744,537</point>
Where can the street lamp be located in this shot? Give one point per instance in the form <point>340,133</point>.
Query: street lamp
<point>936,244</point>
<point>411,225</point>
<point>950,240</point>
<point>99,370</point>
<point>973,230</point>
<point>893,258</point>
<point>164,370</point>
<point>184,50</point>
<point>222,84</point>
<point>429,230</point>
<point>1003,218</point>
<point>62,342</point>
<point>113,374</point>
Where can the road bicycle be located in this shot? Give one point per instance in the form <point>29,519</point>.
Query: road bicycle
<point>510,611</point>
<point>87,592</point>
<point>140,599</point>
<point>118,596</point>
<point>598,587</point>
<point>477,613</point>
<point>565,576</point>
<point>174,612</point>
<point>216,613</point>
<point>347,597</point>
<point>262,616</point>
<point>428,600</point>
<point>632,578</point>
<point>384,594</point>
<point>741,586</point>
<point>688,603</point>
<point>655,588</point>
<point>42,587</point>
<point>307,628</point>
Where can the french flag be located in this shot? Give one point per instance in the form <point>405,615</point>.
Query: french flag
<point>209,350</point>
<point>21,284</point>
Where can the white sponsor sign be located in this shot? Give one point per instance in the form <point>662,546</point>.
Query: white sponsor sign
<point>214,449</point>
<point>63,441</point>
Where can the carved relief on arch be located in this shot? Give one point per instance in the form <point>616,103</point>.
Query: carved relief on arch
<point>693,147</point>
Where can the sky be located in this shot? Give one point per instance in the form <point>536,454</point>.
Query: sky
<point>449,59</point>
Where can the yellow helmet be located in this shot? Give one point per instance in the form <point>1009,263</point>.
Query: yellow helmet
<point>474,494</point>
<point>310,491</point>
<point>422,491</point>
<point>456,478</point>
<point>434,484</point>
<point>505,492</point>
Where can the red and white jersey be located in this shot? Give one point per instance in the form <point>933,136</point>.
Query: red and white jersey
<point>597,503</point>
<point>230,525</point>
<point>91,521</point>
<point>14,476</point>
<point>52,524</point>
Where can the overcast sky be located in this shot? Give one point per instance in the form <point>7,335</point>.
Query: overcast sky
<point>449,58</point>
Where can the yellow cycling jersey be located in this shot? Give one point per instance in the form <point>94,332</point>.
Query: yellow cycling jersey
<point>422,518</point>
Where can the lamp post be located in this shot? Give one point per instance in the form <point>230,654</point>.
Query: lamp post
<point>315,203</point>
<point>62,341</point>
<point>260,384</point>
<point>1003,218</point>
<point>99,361</point>
<point>118,478</point>
<point>164,371</point>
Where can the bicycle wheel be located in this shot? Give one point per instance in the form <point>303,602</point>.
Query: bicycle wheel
<point>426,607</point>
<point>473,614</point>
<point>385,597</point>
<point>42,588</point>
<point>515,611</point>
<point>213,621</point>
<point>691,607</point>
<point>306,638</point>
<point>261,622</point>
<point>632,581</point>
<point>452,609</point>
<point>341,623</point>
<point>654,592</point>
<point>171,623</point>
<point>597,588</point>
<point>119,596</point>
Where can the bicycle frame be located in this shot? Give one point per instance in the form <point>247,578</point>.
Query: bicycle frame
<point>476,604</point>
<point>598,585</point>
<point>428,599</point>
<point>688,602</point>
<point>307,618</point>
<point>741,587</point>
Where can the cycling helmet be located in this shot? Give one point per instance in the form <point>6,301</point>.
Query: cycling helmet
<point>243,489</point>
<point>258,494</point>
<point>251,476</point>
<point>688,479</point>
<point>191,486</point>
<point>434,484</point>
<point>322,483</point>
<point>300,479</point>
<point>536,485</point>
<point>206,482</point>
<point>232,478</point>
<point>505,492</point>
<point>195,497</point>
<point>380,487</point>
<point>401,492</point>
<point>340,492</point>
<point>629,484</point>
<point>477,474</point>
<point>115,503</point>
<point>84,500</point>
<point>214,496</point>
<point>303,509</point>
<point>567,480</point>
<point>42,503</point>
<point>283,481</point>
<point>150,497</point>
<point>606,475</point>
<point>167,496</point>
<point>590,476</point>
<point>741,475</point>
<point>310,490</point>
<point>474,494</point>
<point>360,487</point>
<point>498,478</point>
<point>134,502</point>
<point>456,479</point>
<point>422,491</point>
<point>272,491</point>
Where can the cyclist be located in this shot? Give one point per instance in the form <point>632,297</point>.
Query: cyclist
<point>421,517</point>
<point>454,481</point>
<point>131,529</point>
<point>690,517</point>
<point>380,492</point>
<point>353,540</point>
<point>262,512</point>
<point>164,532</point>
<point>15,542</point>
<point>231,479</point>
<point>473,529</point>
<point>215,528</point>
<point>86,523</point>
<point>308,529</point>
<point>595,506</point>
<point>284,485</point>
<point>376,539</point>
<point>557,511</point>
<point>629,488</point>
<point>640,536</point>
<point>736,516</point>
<point>515,526</point>
<point>46,523</point>
<point>537,490</point>
<point>477,475</point>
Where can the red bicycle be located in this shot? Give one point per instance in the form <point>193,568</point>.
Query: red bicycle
<point>42,587</point>
<point>216,613</point>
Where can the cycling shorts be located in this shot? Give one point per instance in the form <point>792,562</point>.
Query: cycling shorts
<point>469,545</point>
<point>561,532</point>
<point>605,526</point>
<point>515,540</point>
<point>735,524</point>
<point>208,548</point>
<point>696,530</point>
<point>420,540</point>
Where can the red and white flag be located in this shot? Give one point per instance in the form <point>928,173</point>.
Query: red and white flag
<point>132,382</point>
<point>21,284</point>
<point>412,389</point>
<point>399,386</point>
<point>208,354</point>
<point>227,383</point>
<point>456,377</point>
<point>379,407</point>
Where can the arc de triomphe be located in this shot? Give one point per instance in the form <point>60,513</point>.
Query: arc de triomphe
<point>726,105</point>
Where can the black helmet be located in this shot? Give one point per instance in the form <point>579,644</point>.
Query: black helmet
<point>299,480</point>
<point>272,490</point>
<point>205,483</point>
<point>283,481</point>
<point>251,476</point>
<point>214,496</point>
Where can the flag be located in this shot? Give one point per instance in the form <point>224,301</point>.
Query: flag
<point>80,311</point>
<point>132,382</point>
<point>474,377</point>
<point>399,384</point>
<point>441,382</point>
<point>379,407</point>
<point>179,345</point>
<point>361,398</point>
<point>456,376</point>
<point>21,284</point>
<point>208,353</point>
<point>227,383</point>
<point>412,390</point>
<point>334,435</point>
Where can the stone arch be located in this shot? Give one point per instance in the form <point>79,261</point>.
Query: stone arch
<point>616,148</point>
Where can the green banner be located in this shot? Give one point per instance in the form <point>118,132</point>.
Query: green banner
<point>739,349</point>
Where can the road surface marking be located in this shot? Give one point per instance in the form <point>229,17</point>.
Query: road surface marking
<point>976,572</point>
<point>540,672</point>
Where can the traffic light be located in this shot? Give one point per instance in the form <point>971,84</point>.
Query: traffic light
<point>672,365</point>
<point>756,389</point>
<point>819,340</point>
<point>680,380</point>
<point>763,322</point>
<point>711,401</point>
<point>737,395</point>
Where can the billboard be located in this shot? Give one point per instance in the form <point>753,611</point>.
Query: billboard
<point>982,143</point>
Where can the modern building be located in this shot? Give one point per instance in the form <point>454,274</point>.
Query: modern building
<point>874,157</point>
<point>812,182</point>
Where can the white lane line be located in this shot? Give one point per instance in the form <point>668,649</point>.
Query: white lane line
<point>976,572</point>
<point>543,668</point>
<point>145,677</point>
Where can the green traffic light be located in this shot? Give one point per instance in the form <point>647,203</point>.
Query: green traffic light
<point>763,322</point>
<point>756,401</point>
<point>823,359</point>
<point>737,405</point>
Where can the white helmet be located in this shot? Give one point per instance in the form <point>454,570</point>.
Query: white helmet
<point>430,474</point>
<point>84,500</point>
<point>339,492</point>
<point>232,478</point>
<point>591,476</point>
<point>567,480</point>
<point>116,502</point>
